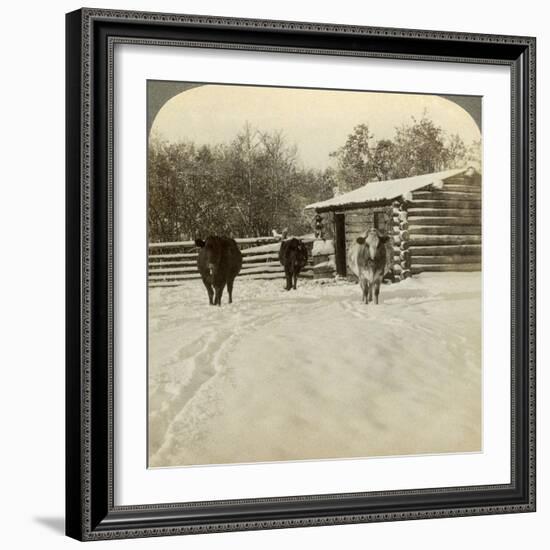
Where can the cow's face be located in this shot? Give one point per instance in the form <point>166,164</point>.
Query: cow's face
<point>212,253</point>
<point>372,241</point>
<point>301,256</point>
<point>297,254</point>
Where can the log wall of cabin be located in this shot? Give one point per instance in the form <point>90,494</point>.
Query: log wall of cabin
<point>359,220</point>
<point>444,226</point>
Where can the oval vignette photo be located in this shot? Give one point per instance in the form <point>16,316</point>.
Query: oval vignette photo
<point>314,274</point>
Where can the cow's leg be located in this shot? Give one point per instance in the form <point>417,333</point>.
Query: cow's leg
<point>288,275</point>
<point>210,292</point>
<point>295,279</point>
<point>230,290</point>
<point>370,291</point>
<point>364,287</point>
<point>377,289</point>
<point>218,298</point>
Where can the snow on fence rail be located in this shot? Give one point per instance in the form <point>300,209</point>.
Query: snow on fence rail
<point>173,263</point>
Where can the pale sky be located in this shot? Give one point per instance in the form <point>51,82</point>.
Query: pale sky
<point>317,121</point>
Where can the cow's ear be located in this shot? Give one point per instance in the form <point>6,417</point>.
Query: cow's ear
<point>199,242</point>
<point>361,240</point>
<point>384,239</point>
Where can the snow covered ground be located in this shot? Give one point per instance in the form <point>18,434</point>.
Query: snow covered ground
<point>314,373</point>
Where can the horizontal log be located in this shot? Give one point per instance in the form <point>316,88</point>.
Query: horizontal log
<point>172,256</point>
<point>181,263</point>
<point>437,220</point>
<point>158,271</point>
<point>193,261</point>
<point>357,229</point>
<point>462,187</point>
<point>254,258</point>
<point>446,204</point>
<point>445,267</point>
<point>461,178</point>
<point>357,226</point>
<point>243,241</point>
<point>444,250</point>
<point>455,259</point>
<point>255,276</point>
<point>164,267</point>
<point>272,248</point>
<point>165,284</point>
<point>160,258</point>
<point>447,195</point>
<point>170,275</point>
<point>175,244</point>
<point>328,261</point>
<point>445,230</point>
<point>443,213</point>
<point>320,258</point>
<point>356,222</point>
<point>358,215</point>
<point>448,200</point>
<point>424,240</point>
<point>174,276</point>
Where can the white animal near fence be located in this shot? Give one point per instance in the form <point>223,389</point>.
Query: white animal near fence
<point>172,263</point>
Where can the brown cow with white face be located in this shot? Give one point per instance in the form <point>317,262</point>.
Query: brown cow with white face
<point>368,261</point>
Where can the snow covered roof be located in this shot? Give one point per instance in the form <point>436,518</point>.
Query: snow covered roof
<point>376,191</point>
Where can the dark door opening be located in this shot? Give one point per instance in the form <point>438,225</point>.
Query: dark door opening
<point>340,243</point>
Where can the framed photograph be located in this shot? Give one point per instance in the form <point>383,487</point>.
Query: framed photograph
<point>300,274</point>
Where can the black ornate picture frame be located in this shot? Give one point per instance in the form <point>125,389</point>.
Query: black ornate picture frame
<point>90,510</point>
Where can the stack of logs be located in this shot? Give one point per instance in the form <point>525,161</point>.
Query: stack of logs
<point>401,254</point>
<point>323,259</point>
<point>438,228</point>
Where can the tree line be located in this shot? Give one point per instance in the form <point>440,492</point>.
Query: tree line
<point>256,183</point>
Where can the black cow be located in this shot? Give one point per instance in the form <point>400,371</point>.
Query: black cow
<point>293,256</point>
<point>219,262</point>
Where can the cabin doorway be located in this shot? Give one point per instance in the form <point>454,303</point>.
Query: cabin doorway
<point>340,244</point>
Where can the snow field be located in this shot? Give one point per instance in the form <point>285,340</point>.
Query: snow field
<point>314,373</point>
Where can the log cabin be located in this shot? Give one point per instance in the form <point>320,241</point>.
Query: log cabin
<point>434,221</point>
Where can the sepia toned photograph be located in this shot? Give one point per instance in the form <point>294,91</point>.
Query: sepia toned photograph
<point>314,268</point>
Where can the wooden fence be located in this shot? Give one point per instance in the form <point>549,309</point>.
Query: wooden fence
<point>171,264</point>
